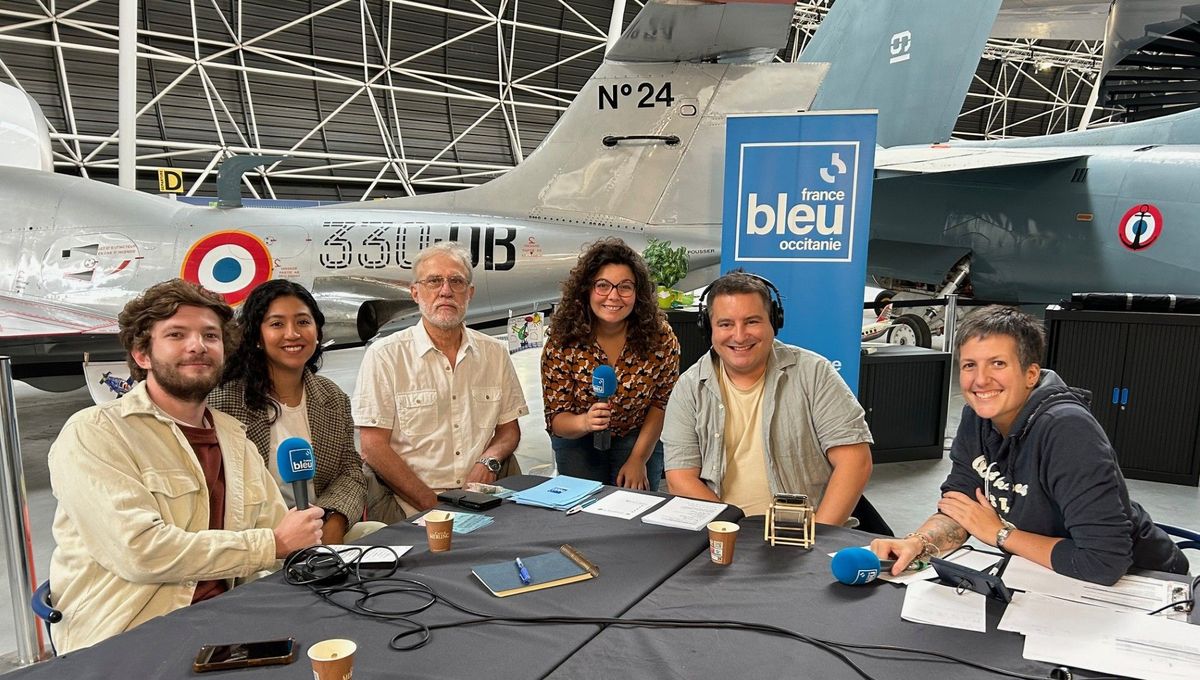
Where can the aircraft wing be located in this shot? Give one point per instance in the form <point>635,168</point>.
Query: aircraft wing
<point>905,161</point>
<point>30,318</point>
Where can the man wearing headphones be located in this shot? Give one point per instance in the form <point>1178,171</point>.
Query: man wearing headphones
<point>755,417</point>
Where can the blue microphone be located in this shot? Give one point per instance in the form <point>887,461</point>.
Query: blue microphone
<point>294,457</point>
<point>855,566</point>
<point>604,384</point>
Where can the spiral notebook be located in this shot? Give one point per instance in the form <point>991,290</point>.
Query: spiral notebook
<point>566,565</point>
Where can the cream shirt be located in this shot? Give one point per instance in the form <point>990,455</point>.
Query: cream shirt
<point>441,418</point>
<point>132,521</point>
<point>745,482</point>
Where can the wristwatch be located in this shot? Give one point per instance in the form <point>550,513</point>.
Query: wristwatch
<point>1004,532</point>
<point>491,464</point>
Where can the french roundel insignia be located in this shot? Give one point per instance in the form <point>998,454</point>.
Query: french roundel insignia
<point>231,263</point>
<point>1140,227</point>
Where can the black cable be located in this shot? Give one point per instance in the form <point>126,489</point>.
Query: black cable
<point>1176,603</point>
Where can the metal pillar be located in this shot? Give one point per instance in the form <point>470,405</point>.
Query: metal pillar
<point>127,94</point>
<point>15,510</point>
<point>614,24</point>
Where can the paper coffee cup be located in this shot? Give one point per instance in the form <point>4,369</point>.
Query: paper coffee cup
<point>333,659</point>
<point>721,537</point>
<point>439,527</point>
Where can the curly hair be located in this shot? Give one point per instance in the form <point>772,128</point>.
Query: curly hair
<point>573,319</point>
<point>1026,330</point>
<point>250,363</point>
<point>160,302</point>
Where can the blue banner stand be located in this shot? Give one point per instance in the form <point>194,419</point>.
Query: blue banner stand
<point>797,211</point>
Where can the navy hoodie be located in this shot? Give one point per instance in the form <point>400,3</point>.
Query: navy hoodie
<point>1056,474</point>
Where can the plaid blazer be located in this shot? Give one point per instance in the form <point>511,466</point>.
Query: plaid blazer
<point>339,481</point>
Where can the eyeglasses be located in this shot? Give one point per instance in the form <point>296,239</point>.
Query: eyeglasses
<point>433,284</point>
<point>604,287</point>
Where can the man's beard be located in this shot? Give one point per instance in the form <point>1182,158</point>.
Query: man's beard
<point>189,389</point>
<point>441,318</point>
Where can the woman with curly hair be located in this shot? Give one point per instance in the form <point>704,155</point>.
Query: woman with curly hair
<point>271,385</point>
<point>608,315</point>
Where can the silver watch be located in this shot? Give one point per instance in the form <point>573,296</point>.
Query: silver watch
<point>1003,533</point>
<point>491,464</point>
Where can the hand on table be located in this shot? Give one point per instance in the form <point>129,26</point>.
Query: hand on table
<point>903,550</point>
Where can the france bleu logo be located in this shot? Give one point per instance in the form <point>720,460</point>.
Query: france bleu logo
<point>796,201</point>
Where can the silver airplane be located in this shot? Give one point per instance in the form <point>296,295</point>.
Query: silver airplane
<point>636,155</point>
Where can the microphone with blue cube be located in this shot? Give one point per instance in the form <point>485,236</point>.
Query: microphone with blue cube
<point>855,566</point>
<point>296,464</point>
<point>604,385</point>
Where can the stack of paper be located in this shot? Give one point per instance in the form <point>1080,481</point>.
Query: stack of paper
<point>623,504</point>
<point>1132,593</point>
<point>464,522</point>
<point>1123,643</point>
<point>937,605</point>
<point>558,493</point>
<point>685,513</point>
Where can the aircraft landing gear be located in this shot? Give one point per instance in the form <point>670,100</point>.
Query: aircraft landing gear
<point>910,329</point>
<point>881,300</point>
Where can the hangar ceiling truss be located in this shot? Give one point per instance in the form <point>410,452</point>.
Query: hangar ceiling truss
<point>372,98</point>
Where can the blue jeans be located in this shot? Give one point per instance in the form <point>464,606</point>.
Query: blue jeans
<point>578,458</point>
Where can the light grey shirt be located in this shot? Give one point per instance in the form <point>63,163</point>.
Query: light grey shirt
<point>807,410</point>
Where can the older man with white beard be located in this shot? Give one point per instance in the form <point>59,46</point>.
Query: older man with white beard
<point>436,405</point>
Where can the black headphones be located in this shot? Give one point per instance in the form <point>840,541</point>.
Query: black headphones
<point>774,313</point>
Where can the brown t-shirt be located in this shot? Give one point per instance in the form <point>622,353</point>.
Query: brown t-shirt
<point>208,452</point>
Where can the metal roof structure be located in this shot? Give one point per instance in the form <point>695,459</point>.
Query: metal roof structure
<point>372,98</point>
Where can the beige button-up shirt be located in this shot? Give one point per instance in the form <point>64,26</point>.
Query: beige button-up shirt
<point>441,418</point>
<point>132,521</point>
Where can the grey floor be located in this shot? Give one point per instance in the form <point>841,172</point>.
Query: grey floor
<point>905,493</point>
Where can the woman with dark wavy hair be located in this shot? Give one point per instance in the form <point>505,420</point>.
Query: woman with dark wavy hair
<point>608,315</point>
<point>271,385</point>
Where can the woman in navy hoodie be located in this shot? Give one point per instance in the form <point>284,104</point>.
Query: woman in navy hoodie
<point>1032,472</point>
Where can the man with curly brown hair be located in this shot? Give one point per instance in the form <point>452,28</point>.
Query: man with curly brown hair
<point>162,502</point>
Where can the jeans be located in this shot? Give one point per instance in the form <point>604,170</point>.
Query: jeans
<point>578,458</point>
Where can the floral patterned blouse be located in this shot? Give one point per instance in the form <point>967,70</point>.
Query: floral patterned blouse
<point>642,382</point>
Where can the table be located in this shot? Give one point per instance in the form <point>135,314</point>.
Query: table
<point>645,572</point>
<point>792,588</point>
<point>633,558</point>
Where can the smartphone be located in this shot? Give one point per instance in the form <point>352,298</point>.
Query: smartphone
<point>791,498</point>
<point>468,499</point>
<point>245,655</point>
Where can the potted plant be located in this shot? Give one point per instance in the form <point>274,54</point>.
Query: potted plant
<point>667,267</point>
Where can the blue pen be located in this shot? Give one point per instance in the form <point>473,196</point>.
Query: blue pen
<point>522,572</point>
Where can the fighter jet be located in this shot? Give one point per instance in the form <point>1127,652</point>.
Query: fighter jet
<point>1035,219</point>
<point>636,155</point>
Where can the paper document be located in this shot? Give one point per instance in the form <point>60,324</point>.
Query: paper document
<point>1122,643</point>
<point>623,504</point>
<point>685,513</point>
<point>375,555</point>
<point>464,522</point>
<point>938,605</point>
<point>1131,593</point>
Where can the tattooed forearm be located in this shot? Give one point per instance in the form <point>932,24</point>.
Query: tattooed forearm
<point>943,532</point>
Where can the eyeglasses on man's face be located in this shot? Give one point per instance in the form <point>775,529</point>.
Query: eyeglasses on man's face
<point>625,288</point>
<point>433,284</point>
